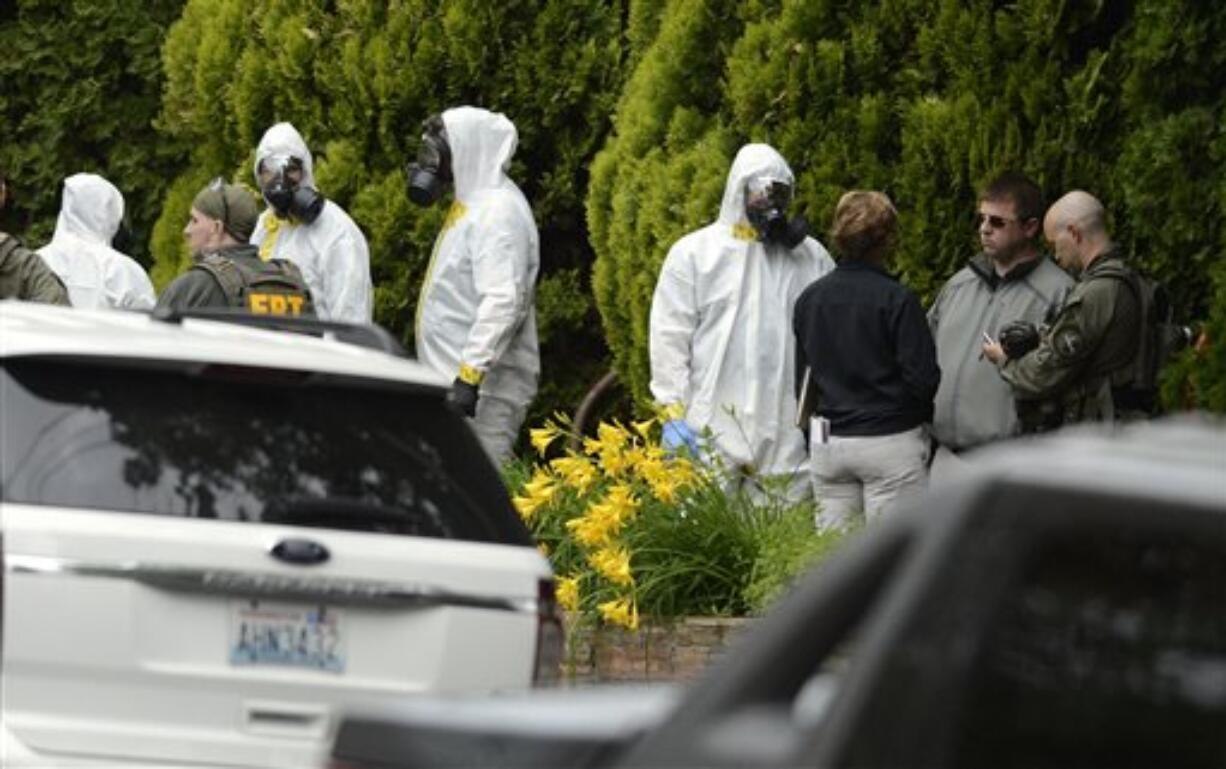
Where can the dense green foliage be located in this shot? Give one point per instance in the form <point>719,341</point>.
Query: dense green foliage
<point>82,85</point>
<point>629,113</point>
<point>358,77</point>
<point>927,101</point>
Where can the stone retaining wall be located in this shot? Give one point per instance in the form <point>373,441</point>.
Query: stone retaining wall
<point>677,650</point>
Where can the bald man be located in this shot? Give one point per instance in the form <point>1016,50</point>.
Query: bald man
<point>1089,348</point>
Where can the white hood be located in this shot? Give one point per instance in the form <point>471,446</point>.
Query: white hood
<point>482,145</point>
<point>96,275</point>
<point>753,161</point>
<point>92,209</point>
<point>284,139</point>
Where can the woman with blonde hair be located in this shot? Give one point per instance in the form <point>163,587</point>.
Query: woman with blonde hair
<point>872,368</point>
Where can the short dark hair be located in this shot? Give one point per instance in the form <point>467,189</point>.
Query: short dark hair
<point>1018,189</point>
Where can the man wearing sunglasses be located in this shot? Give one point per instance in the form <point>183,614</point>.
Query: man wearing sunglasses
<point>1085,359</point>
<point>1009,280</point>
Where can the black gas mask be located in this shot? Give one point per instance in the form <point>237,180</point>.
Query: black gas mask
<point>281,184</point>
<point>766,205</point>
<point>432,171</point>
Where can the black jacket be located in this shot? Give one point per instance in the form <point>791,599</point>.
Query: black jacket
<point>867,341</point>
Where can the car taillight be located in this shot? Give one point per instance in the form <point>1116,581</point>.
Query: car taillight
<point>550,638</point>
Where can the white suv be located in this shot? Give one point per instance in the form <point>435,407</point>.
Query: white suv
<point>218,538</point>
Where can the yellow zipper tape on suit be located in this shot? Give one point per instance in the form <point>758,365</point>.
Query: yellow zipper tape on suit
<point>272,228</point>
<point>454,215</point>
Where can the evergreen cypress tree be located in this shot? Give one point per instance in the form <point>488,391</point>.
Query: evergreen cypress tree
<point>927,101</point>
<point>82,83</point>
<point>358,78</point>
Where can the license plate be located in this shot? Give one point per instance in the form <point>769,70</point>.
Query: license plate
<point>292,635</point>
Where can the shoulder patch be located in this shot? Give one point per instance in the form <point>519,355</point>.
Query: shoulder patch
<point>1068,343</point>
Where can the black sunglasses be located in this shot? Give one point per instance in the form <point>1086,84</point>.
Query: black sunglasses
<point>994,221</point>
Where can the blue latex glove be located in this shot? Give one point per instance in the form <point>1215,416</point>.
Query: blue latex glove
<point>677,433</point>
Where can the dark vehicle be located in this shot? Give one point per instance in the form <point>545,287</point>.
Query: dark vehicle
<point>1065,606</point>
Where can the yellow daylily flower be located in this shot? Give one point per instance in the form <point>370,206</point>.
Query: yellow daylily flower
<point>542,486</point>
<point>620,611</point>
<point>644,428</point>
<point>613,435</point>
<point>542,437</point>
<point>568,593</point>
<point>665,489</point>
<point>527,506</point>
<point>592,531</point>
<point>578,472</point>
<point>612,563</point>
<point>622,502</point>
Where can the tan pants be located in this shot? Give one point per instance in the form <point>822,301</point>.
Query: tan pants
<point>853,475</point>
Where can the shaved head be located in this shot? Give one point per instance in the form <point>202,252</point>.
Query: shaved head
<point>1078,208</point>
<point>1076,228</point>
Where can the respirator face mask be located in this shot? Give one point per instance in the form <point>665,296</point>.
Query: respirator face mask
<point>766,205</point>
<point>281,185</point>
<point>430,174</point>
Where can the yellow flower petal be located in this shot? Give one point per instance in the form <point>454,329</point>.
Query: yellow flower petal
<point>543,436</point>
<point>644,428</point>
<point>620,611</point>
<point>612,563</point>
<point>568,593</point>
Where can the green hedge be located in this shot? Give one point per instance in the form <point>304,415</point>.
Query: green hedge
<point>358,78</point>
<point>926,100</point>
<point>629,114</point>
<point>82,85</point>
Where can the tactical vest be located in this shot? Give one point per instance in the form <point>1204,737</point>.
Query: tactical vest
<point>1098,396</point>
<point>1111,389</point>
<point>277,288</point>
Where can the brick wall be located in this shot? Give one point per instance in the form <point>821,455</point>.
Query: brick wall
<point>674,650</point>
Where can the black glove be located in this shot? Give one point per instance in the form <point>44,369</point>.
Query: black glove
<point>463,396</point>
<point>1018,338</point>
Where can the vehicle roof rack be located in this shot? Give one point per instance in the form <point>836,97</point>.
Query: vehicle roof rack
<point>369,335</point>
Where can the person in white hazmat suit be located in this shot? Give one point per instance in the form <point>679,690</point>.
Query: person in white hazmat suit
<point>721,342</point>
<point>80,253</point>
<point>476,316</point>
<point>312,232</point>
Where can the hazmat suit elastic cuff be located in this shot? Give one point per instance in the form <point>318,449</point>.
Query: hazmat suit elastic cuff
<point>470,375</point>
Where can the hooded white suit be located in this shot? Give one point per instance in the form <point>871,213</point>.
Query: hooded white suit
<point>476,313</point>
<point>721,330</point>
<point>331,251</point>
<point>96,275</point>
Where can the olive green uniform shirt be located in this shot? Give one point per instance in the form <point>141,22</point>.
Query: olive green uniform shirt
<point>199,288</point>
<point>1095,335</point>
<point>24,275</point>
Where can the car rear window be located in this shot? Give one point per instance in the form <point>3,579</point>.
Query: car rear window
<point>247,444</point>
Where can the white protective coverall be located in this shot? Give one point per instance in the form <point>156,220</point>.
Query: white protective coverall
<point>96,275</point>
<point>721,331</point>
<point>476,316</point>
<point>331,251</point>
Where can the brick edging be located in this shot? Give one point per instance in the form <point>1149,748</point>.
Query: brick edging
<point>660,650</point>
